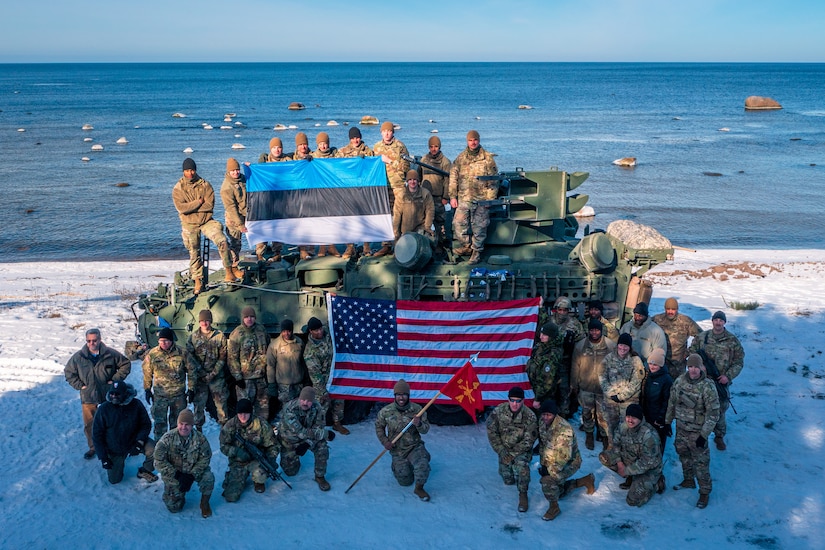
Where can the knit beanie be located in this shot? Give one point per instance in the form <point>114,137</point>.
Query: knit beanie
<point>434,140</point>
<point>516,392</point>
<point>695,360</point>
<point>387,125</point>
<point>248,311</point>
<point>472,134</point>
<point>412,175</point>
<point>635,410</point>
<point>595,323</point>
<point>657,357</point>
<point>322,137</point>
<point>354,133</point>
<point>189,164</point>
<point>244,406</point>
<point>671,303</point>
<point>626,339</point>
<point>301,139</point>
<point>186,417</point>
<point>307,394</point>
<point>641,309</point>
<point>232,164</point>
<point>205,315</point>
<point>275,142</point>
<point>401,387</point>
<point>549,406</point>
<point>720,315</point>
<point>314,323</point>
<point>287,324</point>
<point>166,333</point>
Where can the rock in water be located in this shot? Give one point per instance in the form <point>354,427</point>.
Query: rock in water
<point>626,161</point>
<point>756,103</point>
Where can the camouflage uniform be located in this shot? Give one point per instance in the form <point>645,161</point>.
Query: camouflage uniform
<point>609,330</point>
<point>233,196</point>
<point>543,368</point>
<point>470,220</point>
<point>330,153</point>
<point>246,356</point>
<point>258,432</point>
<point>275,246</point>
<point>570,331</point>
<point>640,451</point>
<point>677,332</point>
<point>559,453</point>
<point>196,218</point>
<point>398,167</point>
<point>438,186</point>
<point>413,212</point>
<point>623,379</point>
<point>268,157</point>
<point>587,362</point>
<point>729,356</point>
<point>299,426</point>
<point>209,354</point>
<point>512,436</point>
<point>348,151</point>
<point>318,359</point>
<point>284,368</point>
<point>189,455</point>
<point>165,372</point>
<point>410,459</point>
<point>646,338</point>
<point>695,406</point>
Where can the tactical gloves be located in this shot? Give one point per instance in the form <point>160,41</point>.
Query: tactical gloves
<point>184,480</point>
<point>330,435</point>
<point>149,396</point>
<point>701,442</point>
<point>543,471</point>
<point>615,399</point>
<point>137,448</point>
<point>106,463</point>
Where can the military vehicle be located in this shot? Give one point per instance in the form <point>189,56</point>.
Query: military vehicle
<point>534,248</point>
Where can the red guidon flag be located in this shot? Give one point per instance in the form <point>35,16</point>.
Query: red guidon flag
<point>465,388</point>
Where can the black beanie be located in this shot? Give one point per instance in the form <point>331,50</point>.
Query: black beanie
<point>516,392</point>
<point>549,406</point>
<point>287,324</point>
<point>189,164</point>
<point>244,406</point>
<point>354,133</point>
<point>595,323</point>
<point>166,333</point>
<point>626,339</point>
<point>635,410</point>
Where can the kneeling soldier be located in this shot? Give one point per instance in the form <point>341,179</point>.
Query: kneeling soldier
<point>301,430</point>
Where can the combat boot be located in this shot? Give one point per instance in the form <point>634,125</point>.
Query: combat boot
<point>552,512</point>
<point>686,484</point>
<point>230,276</point>
<point>340,428</point>
<point>198,287</point>
<point>626,483</point>
<point>475,258</point>
<point>588,441</point>
<point>421,493</point>
<point>304,253</point>
<point>720,443</point>
<point>465,250</point>
<point>237,272</point>
<point>703,501</point>
<point>323,484</point>
<point>206,510</point>
<point>383,251</point>
<point>333,251</point>
<point>660,485</point>
<point>588,482</point>
<point>322,251</point>
<point>146,475</point>
<point>349,252</point>
<point>260,487</point>
<point>367,250</point>
<point>522,501</point>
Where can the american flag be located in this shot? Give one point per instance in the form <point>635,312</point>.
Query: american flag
<point>379,341</point>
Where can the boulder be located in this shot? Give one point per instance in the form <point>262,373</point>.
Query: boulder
<point>626,161</point>
<point>369,120</point>
<point>295,106</point>
<point>756,103</point>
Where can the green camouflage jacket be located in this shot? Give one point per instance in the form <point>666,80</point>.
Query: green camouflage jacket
<point>348,151</point>
<point>512,433</point>
<point>318,359</point>
<point>464,183</point>
<point>298,425</point>
<point>724,349</point>
<point>677,331</point>
<point>694,404</point>
<point>257,431</point>
<point>622,377</point>
<point>558,446</point>
<point>398,167</point>
<point>638,448</point>
<point>233,196</point>
<point>246,352</point>
<point>208,352</point>
<point>391,420</point>
<point>543,367</point>
<point>165,372</point>
<point>174,453</point>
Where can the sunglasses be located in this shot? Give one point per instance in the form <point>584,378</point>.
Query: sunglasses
<point>515,400</point>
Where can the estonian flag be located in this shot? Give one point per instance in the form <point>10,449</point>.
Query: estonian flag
<point>323,201</point>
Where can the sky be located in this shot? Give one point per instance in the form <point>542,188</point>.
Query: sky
<point>55,31</point>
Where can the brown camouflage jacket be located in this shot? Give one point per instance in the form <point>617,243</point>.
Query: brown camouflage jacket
<point>694,404</point>
<point>246,352</point>
<point>558,446</point>
<point>165,372</point>
<point>677,331</point>
<point>209,353</point>
<point>233,196</point>
<point>512,433</point>
<point>464,183</point>
<point>190,455</point>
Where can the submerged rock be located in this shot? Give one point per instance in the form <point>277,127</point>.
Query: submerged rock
<point>625,161</point>
<point>295,106</point>
<point>757,103</point>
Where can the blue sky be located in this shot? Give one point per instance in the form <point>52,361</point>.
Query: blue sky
<point>371,30</point>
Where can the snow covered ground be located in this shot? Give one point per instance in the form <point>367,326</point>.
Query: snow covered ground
<point>769,488</point>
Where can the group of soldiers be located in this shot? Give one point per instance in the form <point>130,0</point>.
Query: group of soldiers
<point>420,200</point>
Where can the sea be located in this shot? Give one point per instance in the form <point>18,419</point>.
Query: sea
<point>709,174</point>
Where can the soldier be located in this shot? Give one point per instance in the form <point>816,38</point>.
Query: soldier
<point>246,356</point>
<point>725,350</point>
<point>588,357</point>
<point>284,370</point>
<point>302,429</point>
<point>595,310</point>
<point>233,196</point>
<point>646,334</point>
<point>636,456</point>
<point>438,185</point>
<point>678,329</point>
<point>571,332</point>
<point>621,377</point>
<point>276,154</point>
<point>655,395</point>
<point>413,210</point>
<point>470,220</point>
<point>559,459</point>
<point>355,148</point>
<point>182,457</point>
<point>318,359</point>
<point>694,403</point>
<point>92,371</point>
<point>207,347</point>
<point>512,431</point>
<point>544,364</point>
<point>256,431</point>
<point>392,152</point>
<point>324,151</point>
<point>410,459</point>
<point>165,370</point>
<point>121,429</point>
<point>302,152</point>
<point>194,200</point>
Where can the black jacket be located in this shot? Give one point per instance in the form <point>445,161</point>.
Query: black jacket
<point>655,395</point>
<point>117,428</point>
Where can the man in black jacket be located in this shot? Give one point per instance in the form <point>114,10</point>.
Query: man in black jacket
<point>121,428</point>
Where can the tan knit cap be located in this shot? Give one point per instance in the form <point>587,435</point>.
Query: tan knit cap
<point>412,175</point>
<point>322,137</point>
<point>301,139</point>
<point>307,394</point>
<point>186,417</point>
<point>671,303</point>
<point>232,164</point>
<point>657,357</point>
<point>205,315</point>
<point>401,387</point>
<point>434,140</point>
<point>472,134</point>
<point>248,311</point>
<point>386,125</point>
<point>275,142</point>
<point>694,360</point>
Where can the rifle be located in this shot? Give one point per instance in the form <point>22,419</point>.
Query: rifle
<point>270,469</point>
<point>417,160</point>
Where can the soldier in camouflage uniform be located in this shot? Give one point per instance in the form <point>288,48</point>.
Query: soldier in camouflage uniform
<point>276,154</point>
<point>439,186</point>
<point>324,151</point>
<point>544,364</point>
<point>559,459</point>
<point>410,459</point>
<point>588,356</point>
<point>646,334</point>
<point>636,456</point>
<point>207,347</point>
<point>182,457</point>
<point>302,152</point>
<point>392,152</point>
<point>512,431</point>
<point>413,210</point>
<point>246,357</point>
<point>165,369</point>
<point>595,310</point>
<point>694,404</point>
<point>233,196</point>
<point>621,377</point>
<point>255,430</point>
<point>355,148</point>
<point>470,220</point>
<point>571,332</point>
<point>318,359</point>
<point>726,351</point>
<point>284,370</point>
<point>301,430</point>
<point>678,329</point>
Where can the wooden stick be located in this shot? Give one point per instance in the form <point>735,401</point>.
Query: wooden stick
<point>394,440</point>
<point>683,248</point>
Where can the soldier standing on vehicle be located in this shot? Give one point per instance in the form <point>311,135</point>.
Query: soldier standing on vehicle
<point>324,151</point>
<point>318,358</point>
<point>194,200</point>
<point>355,148</point>
<point>646,334</point>
<point>285,371</point>
<point>207,347</point>
<point>182,457</point>
<point>233,196</point>
<point>694,404</point>
<point>165,370</point>
<point>471,220</point>
<point>92,371</point>
<point>258,432</point>
<point>588,356</point>
<point>512,431</point>
<point>678,329</point>
<point>302,429</point>
<point>410,459</point>
<point>725,350</point>
<point>438,185</point>
<point>413,210</point>
<point>276,154</point>
<point>302,152</point>
<point>392,152</point>
<point>246,356</point>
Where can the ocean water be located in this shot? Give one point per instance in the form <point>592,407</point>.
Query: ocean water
<point>770,194</point>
